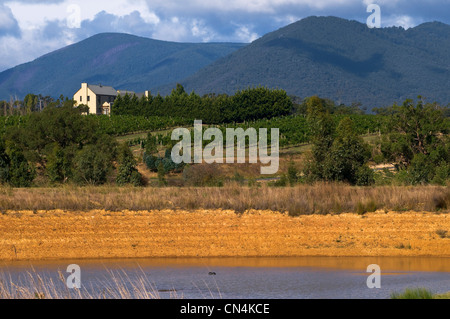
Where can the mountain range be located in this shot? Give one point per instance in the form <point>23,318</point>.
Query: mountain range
<point>327,56</point>
<point>341,60</point>
<point>124,61</point>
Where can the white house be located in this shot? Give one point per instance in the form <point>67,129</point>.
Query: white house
<point>100,98</point>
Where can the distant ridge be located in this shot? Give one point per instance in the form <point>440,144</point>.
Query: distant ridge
<point>121,60</point>
<point>338,59</point>
<point>327,56</point>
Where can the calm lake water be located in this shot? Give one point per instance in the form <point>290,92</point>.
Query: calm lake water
<point>255,278</point>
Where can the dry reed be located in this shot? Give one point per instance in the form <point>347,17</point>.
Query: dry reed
<point>116,285</point>
<point>321,198</point>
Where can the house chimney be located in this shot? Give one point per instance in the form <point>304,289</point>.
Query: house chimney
<point>84,88</point>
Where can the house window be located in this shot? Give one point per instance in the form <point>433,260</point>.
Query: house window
<point>89,98</point>
<point>81,98</point>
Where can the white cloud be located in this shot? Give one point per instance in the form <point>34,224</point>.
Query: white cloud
<point>36,15</point>
<point>172,30</point>
<point>250,6</point>
<point>200,30</point>
<point>244,34</point>
<point>8,23</point>
<point>30,28</point>
<point>400,21</point>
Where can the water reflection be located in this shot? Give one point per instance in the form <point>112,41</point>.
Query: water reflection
<point>242,278</point>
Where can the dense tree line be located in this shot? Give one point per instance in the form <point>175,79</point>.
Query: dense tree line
<point>31,103</point>
<point>246,105</point>
<point>417,141</point>
<point>300,106</point>
<point>62,146</point>
<point>59,145</point>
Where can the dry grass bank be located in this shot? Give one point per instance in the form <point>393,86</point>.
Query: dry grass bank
<point>39,235</point>
<point>321,198</point>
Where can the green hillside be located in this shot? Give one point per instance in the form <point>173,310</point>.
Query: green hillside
<point>338,59</point>
<point>120,60</point>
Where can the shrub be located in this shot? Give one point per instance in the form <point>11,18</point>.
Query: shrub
<point>441,202</point>
<point>127,172</point>
<point>92,165</point>
<point>378,158</point>
<point>282,182</point>
<point>202,175</point>
<point>21,173</point>
<point>58,168</point>
<point>416,293</point>
<point>292,174</point>
<point>360,209</point>
<point>152,162</point>
<point>442,174</point>
<point>365,176</point>
<point>368,207</point>
<point>5,163</point>
<point>421,170</point>
<point>161,175</point>
<point>238,178</point>
<point>371,206</point>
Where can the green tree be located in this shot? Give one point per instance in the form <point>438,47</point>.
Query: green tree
<point>54,125</point>
<point>151,144</point>
<point>118,106</point>
<point>179,90</point>
<point>418,141</point>
<point>347,155</point>
<point>127,172</point>
<point>421,170</point>
<point>161,175</point>
<point>441,174</point>
<point>5,164</point>
<point>83,109</point>
<point>322,132</point>
<point>30,102</point>
<point>59,164</point>
<point>416,129</point>
<point>21,173</point>
<point>92,166</point>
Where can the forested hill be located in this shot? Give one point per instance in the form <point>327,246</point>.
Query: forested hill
<point>341,60</point>
<point>120,60</point>
<point>331,57</point>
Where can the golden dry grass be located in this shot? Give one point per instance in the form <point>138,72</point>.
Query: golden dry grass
<point>39,235</point>
<point>321,198</point>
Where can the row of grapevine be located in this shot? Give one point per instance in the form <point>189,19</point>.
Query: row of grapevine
<point>126,124</point>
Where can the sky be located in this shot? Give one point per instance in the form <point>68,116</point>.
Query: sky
<point>32,28</point>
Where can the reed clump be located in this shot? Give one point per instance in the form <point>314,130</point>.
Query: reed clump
<point>413,293</point>
<point>116,285</point>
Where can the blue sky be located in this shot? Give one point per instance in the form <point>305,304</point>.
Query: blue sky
<point>31,28</point>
